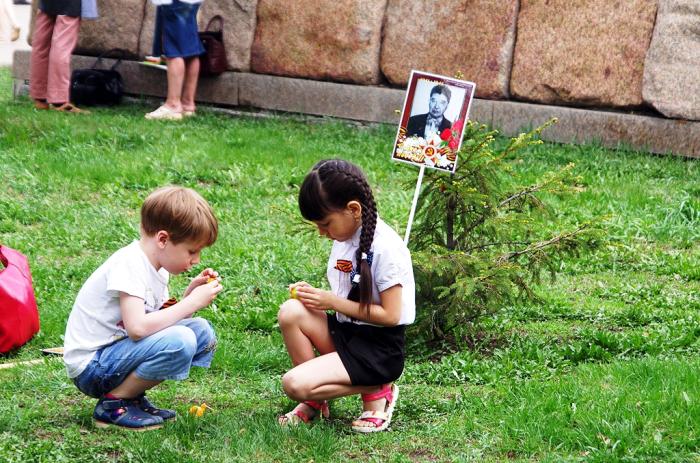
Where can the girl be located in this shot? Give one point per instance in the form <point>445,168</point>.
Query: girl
<point>361,346</point>
<point>176,38</point>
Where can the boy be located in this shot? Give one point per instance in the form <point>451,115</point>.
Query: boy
<point>118,343</point>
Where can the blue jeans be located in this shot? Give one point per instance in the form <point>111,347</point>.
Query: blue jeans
<point>167,354</point>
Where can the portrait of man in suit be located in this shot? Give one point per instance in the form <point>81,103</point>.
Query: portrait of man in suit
<point>434,121</point>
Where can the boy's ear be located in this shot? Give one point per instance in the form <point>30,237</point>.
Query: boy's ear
<point>162,238</point>
<point>355,209</point>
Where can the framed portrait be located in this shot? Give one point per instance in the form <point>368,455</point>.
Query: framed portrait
<point>432,121</point>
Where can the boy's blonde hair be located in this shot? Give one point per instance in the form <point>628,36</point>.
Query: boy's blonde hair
<point>182,212</point>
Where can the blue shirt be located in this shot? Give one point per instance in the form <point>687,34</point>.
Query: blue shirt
<point>89,9</point>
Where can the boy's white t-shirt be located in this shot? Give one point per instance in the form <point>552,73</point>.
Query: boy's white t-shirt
<point>391,266</point>
<point>96,319</point>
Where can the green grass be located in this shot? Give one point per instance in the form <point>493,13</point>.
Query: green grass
<point>605,368</point>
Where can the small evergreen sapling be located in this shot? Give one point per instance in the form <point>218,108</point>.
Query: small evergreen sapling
<point>481,240</point>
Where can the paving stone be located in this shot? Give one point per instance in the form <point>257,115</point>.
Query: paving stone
<point>239,28</point>
<point>336,40</point>
<point>672,67</point>
<point>118,26</point>
<point>582,53</point>
<point>475,38</point>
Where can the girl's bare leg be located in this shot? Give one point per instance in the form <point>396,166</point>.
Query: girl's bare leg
<point>303,331</point>
<point>315,378</point>
<point>189,87</point>
<point>176,77</point>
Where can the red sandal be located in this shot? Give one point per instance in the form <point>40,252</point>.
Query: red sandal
<point>380,419</point>
<point>297,416</point>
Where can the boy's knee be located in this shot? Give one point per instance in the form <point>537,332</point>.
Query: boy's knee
<point>290,312</point>
<point>294,386</point>
<point>181,342</point>
<point>202,330</point>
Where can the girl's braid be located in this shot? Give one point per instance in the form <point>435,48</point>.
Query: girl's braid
<point>369,223</point>
<point>369,220</point>
<point>369,211</point>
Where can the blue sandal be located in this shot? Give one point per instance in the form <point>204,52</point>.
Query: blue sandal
<point>144,404</point>
<point>125,414</point>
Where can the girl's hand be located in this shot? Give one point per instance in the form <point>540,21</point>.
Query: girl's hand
<point>201,279</point>
<point>298,284</point>
<point>314,298</point>
<point>293,288</point>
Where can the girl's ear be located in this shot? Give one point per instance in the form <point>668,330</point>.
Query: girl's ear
<point>355,208</point>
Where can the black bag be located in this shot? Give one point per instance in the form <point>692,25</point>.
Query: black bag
<point>213,62</point>
<point>91,87</point>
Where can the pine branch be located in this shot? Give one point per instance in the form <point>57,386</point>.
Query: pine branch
<point>481,247</point>
<point>523,193</point>
<point>540,245</point>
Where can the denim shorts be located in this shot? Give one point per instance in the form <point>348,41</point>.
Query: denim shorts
<point>167,354</point>
<point>176,34</point>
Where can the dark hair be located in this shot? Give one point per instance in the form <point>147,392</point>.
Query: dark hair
<point>443,90</point>
<point>329,187</point>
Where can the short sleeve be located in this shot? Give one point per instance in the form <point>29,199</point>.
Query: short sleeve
<point>122,278</point>
<point>387,271</point>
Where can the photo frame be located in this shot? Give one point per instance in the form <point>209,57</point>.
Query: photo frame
<point>432,121</point>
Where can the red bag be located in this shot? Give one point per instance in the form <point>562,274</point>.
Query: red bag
<point>19,317</point>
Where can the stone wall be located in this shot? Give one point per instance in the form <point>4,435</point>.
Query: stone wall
<point>607,54</point>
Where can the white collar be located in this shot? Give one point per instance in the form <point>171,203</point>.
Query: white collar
<point>355,240</point>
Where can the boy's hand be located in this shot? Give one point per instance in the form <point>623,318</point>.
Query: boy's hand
<point>314,298</point>
<point>204,277</point>
<point>204,294</point>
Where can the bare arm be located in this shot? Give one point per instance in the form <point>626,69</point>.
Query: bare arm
<point>139,324</point>
<point>388,313</point>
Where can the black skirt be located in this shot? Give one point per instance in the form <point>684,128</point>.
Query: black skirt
<point>371,355</point>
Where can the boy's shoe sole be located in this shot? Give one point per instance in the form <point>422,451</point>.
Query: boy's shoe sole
<point>103,425</point>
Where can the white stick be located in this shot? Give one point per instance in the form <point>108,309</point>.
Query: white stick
<point>413,206</point>
<point>20,364</point>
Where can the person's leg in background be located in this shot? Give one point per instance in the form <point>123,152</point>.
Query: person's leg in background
<point>189,89</point>
<point>7,8</point>
<point>39,61</point>
<point>172,108</point>
<point>63,41</point>
<point>177,38</point>
<point>192,64</point>
<point>176,77</point>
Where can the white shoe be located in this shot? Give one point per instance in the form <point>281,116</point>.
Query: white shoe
<point>165,113</point>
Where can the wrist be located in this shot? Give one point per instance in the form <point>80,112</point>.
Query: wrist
<point>333,301</point>
<point>191,304</point>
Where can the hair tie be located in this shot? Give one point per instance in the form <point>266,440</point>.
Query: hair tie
<point>355,274</point>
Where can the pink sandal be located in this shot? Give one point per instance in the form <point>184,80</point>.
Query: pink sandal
<point>380,419</point>
<point>297,416</point>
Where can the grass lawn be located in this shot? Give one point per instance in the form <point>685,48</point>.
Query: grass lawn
<point>606,368</point>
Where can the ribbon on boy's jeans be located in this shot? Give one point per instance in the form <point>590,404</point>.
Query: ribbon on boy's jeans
<point>355,274</point>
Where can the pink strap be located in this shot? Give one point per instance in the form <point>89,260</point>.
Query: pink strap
<point>304,417</point>
<point>316,405</point>
<point>386,392</point>
<point>375,421</point>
